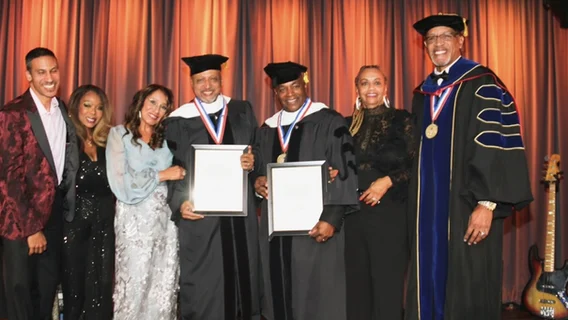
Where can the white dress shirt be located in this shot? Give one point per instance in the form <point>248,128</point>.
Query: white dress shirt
<point>56,131</point>
<point>446,70</point>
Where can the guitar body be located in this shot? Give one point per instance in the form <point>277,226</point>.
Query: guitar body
<point>545,295</point>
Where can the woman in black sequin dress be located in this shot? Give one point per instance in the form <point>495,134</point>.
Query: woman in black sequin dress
<point>88,255</point>
<point>376,249</point>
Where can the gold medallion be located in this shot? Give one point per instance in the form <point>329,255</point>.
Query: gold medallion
<point>431,131</point>
<point>281,158</point>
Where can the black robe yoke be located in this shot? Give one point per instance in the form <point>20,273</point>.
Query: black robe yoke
<point>477,155</point>
<point>304,279</point>
<point>219,274</point>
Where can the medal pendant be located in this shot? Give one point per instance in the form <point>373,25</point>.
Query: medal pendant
<point>281,158</point>
<point>431,131</point>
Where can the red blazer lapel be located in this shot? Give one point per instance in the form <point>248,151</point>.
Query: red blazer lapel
<point>37,127</point>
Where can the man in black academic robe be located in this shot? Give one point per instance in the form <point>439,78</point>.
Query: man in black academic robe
<point>470,173</point>
<point>304,276</point>
<point>219,266</point>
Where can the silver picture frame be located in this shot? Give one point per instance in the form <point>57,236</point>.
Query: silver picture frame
<point>296,192</point>
<point>218,186</point>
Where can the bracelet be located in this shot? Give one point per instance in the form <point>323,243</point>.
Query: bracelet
<point>488,204</point>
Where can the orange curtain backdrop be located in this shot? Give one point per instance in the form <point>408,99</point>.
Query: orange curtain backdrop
<point>123,45</point>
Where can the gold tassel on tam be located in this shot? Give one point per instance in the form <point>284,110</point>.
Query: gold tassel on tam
<point>465,32</point>
<point>306,78</point>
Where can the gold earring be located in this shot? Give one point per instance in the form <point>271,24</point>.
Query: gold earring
<point>358,103</point>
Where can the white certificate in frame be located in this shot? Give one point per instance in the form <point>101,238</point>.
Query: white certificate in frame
<point>218,186</point>
<point>295,196</point>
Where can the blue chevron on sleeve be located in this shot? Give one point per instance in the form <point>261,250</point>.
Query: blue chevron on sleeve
<point>497,116</point>
<point>496,93</point>
<point>495,139</point>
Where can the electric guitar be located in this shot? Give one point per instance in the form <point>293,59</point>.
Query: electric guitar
<point>545,295</point>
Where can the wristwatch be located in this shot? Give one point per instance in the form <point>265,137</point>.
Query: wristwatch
<point>488,204</point>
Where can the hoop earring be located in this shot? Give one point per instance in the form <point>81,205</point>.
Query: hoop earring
<point>139,114</point>
<point>386,101</point>
<point>358,103</point>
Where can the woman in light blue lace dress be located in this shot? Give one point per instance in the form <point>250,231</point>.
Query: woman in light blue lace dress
<point>138,165</point>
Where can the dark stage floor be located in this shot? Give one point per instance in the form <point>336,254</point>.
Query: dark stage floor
<point>514,312</point>
<point>507,315</point>
<point>517,315</point>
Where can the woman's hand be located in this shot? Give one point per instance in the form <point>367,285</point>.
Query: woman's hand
<point>332,174</point>
<point>172,173</point>
<point>187,213</point>
<point>372,196</point>
<point>247,160</point>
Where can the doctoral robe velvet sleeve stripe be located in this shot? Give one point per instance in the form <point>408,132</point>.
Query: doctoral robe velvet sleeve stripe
<point>472,172</point>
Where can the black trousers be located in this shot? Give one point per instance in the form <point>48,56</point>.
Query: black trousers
<point>30,282</point>
<point>376,258</point>
<point>3,311</point>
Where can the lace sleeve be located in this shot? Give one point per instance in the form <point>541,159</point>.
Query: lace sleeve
<point>402,174</point>
<point>128,185</point>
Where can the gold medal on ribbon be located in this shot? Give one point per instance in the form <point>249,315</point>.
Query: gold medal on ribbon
<point>431,130</point>
<point>436,105</point>
<point>281,158</point>
<point>285,137</point>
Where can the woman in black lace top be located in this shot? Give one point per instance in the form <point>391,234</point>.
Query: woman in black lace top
<point>375,237</point>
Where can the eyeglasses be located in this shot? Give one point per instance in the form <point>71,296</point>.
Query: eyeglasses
<point>445,37</point>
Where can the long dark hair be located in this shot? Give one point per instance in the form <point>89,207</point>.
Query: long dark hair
<point>101,130</point>
<point>132,119</point>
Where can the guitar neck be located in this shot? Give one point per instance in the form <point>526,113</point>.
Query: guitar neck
<point>550,229</point>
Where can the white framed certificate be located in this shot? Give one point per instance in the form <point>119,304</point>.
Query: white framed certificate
<point>218,186</point>
<point>295,196</point>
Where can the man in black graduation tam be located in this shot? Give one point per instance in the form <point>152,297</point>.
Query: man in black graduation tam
<point>289,74</point>
<point>283,72</point>
<point>453,21</point>
<point>317,258</point>
<point>470,173</point>
<point>202,63</point>
<point>219,275</point>
<point>205,71</point>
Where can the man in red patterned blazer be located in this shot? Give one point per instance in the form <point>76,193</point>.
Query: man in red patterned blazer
<point>37,158</point>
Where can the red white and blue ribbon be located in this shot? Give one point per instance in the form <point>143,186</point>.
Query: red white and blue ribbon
<point>285,138</point>
<point>216,132</point>
<point>436,104</point>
